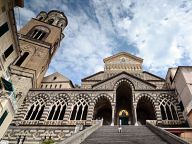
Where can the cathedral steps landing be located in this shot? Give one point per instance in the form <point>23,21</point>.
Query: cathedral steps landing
<point>129,135</point>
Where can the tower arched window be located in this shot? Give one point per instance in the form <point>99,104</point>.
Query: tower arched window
<point>58,110</point>
<point>39,32</point>
<point>50,21</point>
<point>36,110</point>
<point>80,110</point>
<point>22,59</point>
<point>168,110</point>
<point>40,18</point>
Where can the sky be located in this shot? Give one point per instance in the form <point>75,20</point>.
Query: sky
<point>159,31</point>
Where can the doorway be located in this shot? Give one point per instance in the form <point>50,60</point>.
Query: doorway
<point>124,103</point>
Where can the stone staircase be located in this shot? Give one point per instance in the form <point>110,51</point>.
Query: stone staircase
<point>129,135</point>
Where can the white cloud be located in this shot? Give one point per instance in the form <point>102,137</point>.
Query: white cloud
<point>23,15</point>
<point>161,31</point>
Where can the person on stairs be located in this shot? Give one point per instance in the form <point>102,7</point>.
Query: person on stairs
<point>119,128</point>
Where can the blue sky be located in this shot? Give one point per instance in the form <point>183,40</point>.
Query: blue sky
<point>159,31</point>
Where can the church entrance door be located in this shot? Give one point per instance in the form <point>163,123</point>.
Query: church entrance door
<point>123,117</point>
<point>124,104</point>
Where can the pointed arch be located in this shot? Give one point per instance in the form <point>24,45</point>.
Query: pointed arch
<point>145,108</point>
<point>36,110</point>
<point>103,108</point>
<point>167,104</point>
<point>58,109</point>
<point>118,82</point>
<point>80,107</point>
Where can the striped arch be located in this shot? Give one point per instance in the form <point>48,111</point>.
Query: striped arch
<point>146,108</point>
<point>169,107</point>
<point>123,80</point>
<point>63,96</point>
<point>146,96</point>
<point>102,108</point>
<point>32,99</point>
<point>82,96</point>
<point>102,95</point>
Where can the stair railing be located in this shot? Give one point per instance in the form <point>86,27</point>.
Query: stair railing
<point>167,136</point>
<point>79,137</point>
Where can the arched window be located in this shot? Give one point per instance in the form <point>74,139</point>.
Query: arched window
<point>51,86</point>
<point>58,110</point>
<point>168,110</point>
<point>22,59</point>
<point>41,18</point>
<point>80,110</point>
<point>50,21</point>
<point>36,110</point>
<point>39,32</point>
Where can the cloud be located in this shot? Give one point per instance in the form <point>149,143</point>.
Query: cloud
<point>158,31</point>
<point>23,15</point>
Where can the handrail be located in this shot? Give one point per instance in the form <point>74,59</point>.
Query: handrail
<point>167,136</point>
<point>80,136</point>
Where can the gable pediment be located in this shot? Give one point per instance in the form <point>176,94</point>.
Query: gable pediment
<point>123,57</point>
<point>137,83</point>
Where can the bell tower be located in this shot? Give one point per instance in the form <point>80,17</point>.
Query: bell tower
<point>39,39</point>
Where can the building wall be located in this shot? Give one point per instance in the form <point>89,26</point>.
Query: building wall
<point>181,80</point>
<point>36,51</point>
<point>9,51</point>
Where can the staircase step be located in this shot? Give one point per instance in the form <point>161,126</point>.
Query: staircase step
<point>129,135</point>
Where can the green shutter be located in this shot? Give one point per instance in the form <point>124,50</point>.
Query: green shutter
<point>7,85</point>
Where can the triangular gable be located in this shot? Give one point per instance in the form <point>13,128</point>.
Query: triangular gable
<point>123,57</point>
<point>149,76</point>
<point>55,77</point>
<point>96,76</point>
<point>137,83</point>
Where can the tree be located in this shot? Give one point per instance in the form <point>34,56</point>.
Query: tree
<point>48,141</point>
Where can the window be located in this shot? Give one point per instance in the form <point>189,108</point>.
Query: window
<point>58,110</point>
<point>181,106</point>
<point>3,29</point>
<point>41,18</point>
<point>8,51</point>
<point>3,117</point>
<point>168,110</point>
<point>22,59</point>
<point>171,79</point>
<point>38,34</point>
<point>36,110</point>
<point>50,21</point>
<point>80,110</point>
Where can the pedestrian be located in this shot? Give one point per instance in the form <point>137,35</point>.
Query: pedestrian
<point>119,129</point>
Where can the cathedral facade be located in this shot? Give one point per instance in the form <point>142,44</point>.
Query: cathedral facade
<point>123,93</point>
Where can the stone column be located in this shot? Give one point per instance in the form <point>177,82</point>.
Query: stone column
<point>135,114</point>
<point>113,115</point>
